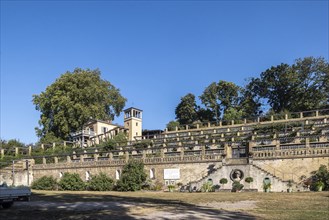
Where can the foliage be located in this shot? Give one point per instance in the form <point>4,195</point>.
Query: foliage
<point>111,143</point>
<point>44,183</point>
<point>133,176</point>
<point>71,181</point>
<point>11,143</point>
<point>171,126</point>
<point>223,181</point>
<point>171,188</point>
<point>237,186</point>
<point>299,87</point>
<point>100,182</point>
<point>267,185</point>
<point>68,103</point>
<point>186,110</point>
<point>321,178</point>
<point>207,186</point>
<point>249,179</point>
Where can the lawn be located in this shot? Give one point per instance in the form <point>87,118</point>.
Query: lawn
<point>165,205</point>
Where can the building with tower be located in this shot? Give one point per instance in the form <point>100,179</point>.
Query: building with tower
<point>94,131</point>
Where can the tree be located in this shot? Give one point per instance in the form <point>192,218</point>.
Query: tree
<point>300,87</point>
<point>171,126</point>
<point>220,96</point>
<point>186,110</point>
<point>209,98</point>
<point>73,99</point>
<point>313,84</point>
<point>133,176</point>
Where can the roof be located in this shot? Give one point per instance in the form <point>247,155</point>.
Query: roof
<point>132,108</point>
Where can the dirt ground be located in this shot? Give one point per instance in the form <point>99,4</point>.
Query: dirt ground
<point>162,206</point>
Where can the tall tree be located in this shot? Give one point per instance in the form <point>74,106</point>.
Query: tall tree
<point>299,87</point>
<point>220,96</point>
<point>313,84</point>
<point>72,99</point>
<point>186,110</point>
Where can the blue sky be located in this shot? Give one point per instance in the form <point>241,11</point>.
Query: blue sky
<point>155,52</point>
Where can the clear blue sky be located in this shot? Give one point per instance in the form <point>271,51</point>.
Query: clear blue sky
<point>155,52</point>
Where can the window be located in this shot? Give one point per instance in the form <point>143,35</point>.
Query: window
<point>117,174</point>
<point>152,173</point>
<point>87,175</point>
<point>104,130</point>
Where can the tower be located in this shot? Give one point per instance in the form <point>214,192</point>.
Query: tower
<point>133,122</point>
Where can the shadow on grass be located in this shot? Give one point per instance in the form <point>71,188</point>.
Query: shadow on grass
<point>97,206</point>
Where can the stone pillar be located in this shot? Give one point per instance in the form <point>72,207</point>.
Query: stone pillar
<point>74,156</point>
<point>186,127</point>
<point>82,158</point>
<point>126,156</point>
<point>68,159</point>
<point>198,126</point>
<point>227,150</point>
<point>110,156</point>
<point>245,121</point>
<point>181,153</point>
<point>96,155</point>
<point>64,144</point>
<point>232,122</point>
<point>286,116</point>
<point>272,118</point>
<point>44,161</point>
<point>16,151</point>
<point>220,123</point>
<point>209,124</point>
<point>42,146</point>
<point>54,146</point>
<point>144,154</point>
<point>301,115</point>
<point>316,113</point>
<point>56,159</point>
<point>203,152</point>
<point>258,119</point>
<point>30,150</point>
<point>176,128</point>
<point>2,153</point>
<point>277,145</point>
<point>162,153</point>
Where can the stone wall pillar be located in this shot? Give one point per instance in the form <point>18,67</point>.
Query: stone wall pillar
<point>54,146</point>
<point>181,153</point>
<point>56,160</point>
<point>110,156</point>
<point>30,150</point>
<point>2,153</point>
<point>44,161</point>
<point>126,156</point>
<point>16,151</point>
<point>203,152</point>
<point>96,155</point>
<point>227,150</point>
<point>68,159</point>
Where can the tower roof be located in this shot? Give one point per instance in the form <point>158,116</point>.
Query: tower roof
<point>128,109</point>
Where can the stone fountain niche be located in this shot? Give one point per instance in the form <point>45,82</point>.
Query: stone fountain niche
<point>236,175</point>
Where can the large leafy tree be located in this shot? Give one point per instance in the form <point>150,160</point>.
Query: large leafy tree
<point>73,99</point>
<point>220,96</point>
<point>298,87</point>
<point>186,111</point>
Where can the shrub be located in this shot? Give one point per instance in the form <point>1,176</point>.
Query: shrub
<point>207,187</point>
<point>249,179</point>
<point>45,183</point>
<point>71,181</point>
<point>100,182</point>
<point>223,181</point>
<point>133,177</point>
<point>237,186</point>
